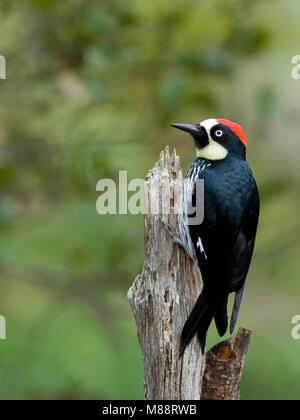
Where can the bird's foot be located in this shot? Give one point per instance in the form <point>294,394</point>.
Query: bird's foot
<point>175,239</point>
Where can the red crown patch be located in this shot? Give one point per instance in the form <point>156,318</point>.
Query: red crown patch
<point>235,128</point>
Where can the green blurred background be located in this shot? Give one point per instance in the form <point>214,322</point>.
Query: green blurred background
<point>91,89</point>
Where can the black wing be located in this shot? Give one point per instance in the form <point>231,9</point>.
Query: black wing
<point>226,237</point>
<point>243,250</point>
<point>223,245</point>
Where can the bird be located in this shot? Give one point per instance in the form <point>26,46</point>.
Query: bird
<point>222,244</point>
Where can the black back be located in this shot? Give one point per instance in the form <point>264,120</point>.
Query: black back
<point>231,209</point>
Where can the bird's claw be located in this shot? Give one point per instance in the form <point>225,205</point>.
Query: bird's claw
<point>175,239</point>
<point>172,253</point>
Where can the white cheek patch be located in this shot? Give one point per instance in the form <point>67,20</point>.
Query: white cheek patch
<point>214,150</point>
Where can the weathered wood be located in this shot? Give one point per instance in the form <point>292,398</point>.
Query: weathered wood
<point>224,365</point>
<point>162,298</point>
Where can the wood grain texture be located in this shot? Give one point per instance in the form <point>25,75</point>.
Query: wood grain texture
<point>163,295</point>
<point>224,366</point>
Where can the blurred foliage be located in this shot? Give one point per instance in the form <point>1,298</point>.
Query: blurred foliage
<point>91,89</point>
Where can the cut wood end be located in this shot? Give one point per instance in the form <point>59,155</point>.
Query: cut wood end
<point>229,348</point>
<point>223,351</point>
<point>224,365</point>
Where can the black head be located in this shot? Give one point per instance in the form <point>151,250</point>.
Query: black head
<point>215,138</point>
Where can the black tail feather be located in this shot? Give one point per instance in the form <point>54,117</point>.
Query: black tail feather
<point>236,307</point>
<point>202,332</point>
<point>220,313</point>
<point>197,323</point>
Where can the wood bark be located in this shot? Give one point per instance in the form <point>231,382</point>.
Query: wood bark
<point>224,365</point>
<point>163,296</point>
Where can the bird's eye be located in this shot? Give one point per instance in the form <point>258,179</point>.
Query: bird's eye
<point>219,133</point>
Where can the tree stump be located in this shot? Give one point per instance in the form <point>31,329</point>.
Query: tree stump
<point>164,294</point>
<point>224,365</point>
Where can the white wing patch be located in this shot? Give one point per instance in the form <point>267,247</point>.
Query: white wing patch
<point>200,245</point>
<point>187,194</point>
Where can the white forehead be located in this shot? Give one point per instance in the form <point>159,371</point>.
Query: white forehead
<point>208,124</point>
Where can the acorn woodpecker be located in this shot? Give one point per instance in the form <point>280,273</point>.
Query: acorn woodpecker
<point>222,245</point>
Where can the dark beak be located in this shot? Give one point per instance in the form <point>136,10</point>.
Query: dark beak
<point>189,128</point>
